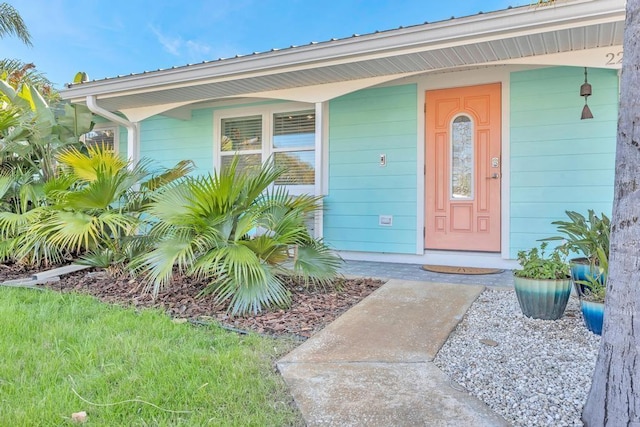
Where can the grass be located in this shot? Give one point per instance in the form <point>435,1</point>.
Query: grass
<point>58,351</point>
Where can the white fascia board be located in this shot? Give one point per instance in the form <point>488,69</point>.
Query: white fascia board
<point>603,57</point>
<point>482,27</point>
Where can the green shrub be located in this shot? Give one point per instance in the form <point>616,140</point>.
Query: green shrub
<point>537,265</point>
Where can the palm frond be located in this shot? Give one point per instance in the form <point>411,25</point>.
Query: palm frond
<point>7,250</point>
<point>158,264</point>
<point>183,168</point>
<point>316,263</point>
<point>101,193</point>
<point>11,23</point>
<point>13,223</point>
<point>74,230</point>
<point>172,204</point>
<point>100,258</point>
<point>268,249</point>
<point>251,297</point>
<point>87,166</point>
<point>6,184</point>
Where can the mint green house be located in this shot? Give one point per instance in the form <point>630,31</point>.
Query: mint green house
<point>455,142</point>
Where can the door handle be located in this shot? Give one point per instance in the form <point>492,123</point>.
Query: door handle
<point>494,176</point>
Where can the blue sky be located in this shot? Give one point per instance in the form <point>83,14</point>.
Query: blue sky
<point>106,38</point>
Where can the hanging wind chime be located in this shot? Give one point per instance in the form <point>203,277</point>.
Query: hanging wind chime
<point>585,90</point>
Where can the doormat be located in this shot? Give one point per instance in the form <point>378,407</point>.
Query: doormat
<point>460,270</point>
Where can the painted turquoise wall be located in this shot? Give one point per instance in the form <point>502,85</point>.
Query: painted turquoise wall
<point>122,142</point>
<point>559,162</point>
<point>167,140</point>
<point>362,126</point>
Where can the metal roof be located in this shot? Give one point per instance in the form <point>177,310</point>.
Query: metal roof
<point>484,39</point>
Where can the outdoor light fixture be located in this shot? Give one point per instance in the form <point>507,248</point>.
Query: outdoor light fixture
<point>585,90</point>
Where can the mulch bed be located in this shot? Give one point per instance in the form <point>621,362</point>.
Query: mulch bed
<point>311,310</point>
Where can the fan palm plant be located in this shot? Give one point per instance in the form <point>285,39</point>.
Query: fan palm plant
<point>231,229</point>
<point>94,207</point>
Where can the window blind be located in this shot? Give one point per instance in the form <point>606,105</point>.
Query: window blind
<point>244,133</point>
<point>294,129</point>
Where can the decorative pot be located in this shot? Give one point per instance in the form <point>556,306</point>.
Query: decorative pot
<point>542,299</point>
<point>593,315</point>
<point>582,271</point>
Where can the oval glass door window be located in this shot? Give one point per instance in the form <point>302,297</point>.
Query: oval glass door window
<point>462,158</point>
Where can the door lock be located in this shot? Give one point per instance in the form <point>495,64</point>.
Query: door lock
<point>495,162</point>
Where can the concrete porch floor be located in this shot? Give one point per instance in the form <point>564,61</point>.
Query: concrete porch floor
<point>387,270</point>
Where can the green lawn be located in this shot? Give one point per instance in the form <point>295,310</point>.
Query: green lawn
<point>54,344</point>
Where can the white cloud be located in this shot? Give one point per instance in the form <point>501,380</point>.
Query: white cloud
<point>197,50</point>
<point>170,44</point>
<point>177,46</point>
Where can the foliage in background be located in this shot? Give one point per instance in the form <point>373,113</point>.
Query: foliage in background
<point>32,133</point>
<point>17,73</point>
<point>235,231</point>
<point>37,132</point>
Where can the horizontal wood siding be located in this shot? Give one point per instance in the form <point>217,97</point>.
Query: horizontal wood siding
<point>167,140</point>
<point>122,141</point>
<point>362,126</point>
<point>559,162</point>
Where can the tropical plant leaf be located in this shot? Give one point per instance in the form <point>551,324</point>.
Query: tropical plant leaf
<point>315,262</point>
<point>159,263</point>
<point>180,170</point>
<point>87,166</point>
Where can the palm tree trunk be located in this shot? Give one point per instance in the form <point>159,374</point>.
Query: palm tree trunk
<point>614,398</point>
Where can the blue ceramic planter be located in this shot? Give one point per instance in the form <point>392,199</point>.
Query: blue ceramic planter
<point>593,315</point>
<point>582,272</point>
<point>542,299</point>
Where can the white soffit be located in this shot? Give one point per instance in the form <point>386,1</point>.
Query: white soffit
<point>582,32</point>
<point>327,91</point>
<point>140,113</point>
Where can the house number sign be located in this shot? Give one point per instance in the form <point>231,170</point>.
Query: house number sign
<point>613,58</point>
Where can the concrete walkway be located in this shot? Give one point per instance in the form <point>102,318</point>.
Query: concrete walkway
<point>373,366</point>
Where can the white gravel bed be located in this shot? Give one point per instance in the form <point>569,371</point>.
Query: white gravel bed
<point>532,372</point>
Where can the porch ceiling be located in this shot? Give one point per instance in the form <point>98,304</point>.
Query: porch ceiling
<point>486,39</point>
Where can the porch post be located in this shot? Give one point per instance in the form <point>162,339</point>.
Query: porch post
<point>319,176</point>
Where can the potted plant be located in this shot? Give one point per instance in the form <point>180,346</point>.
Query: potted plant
<point>584,236</point>
<point>588,237</point>
<point>543,283</point>
<point>593,293</point>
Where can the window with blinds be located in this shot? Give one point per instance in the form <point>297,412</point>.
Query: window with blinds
<point>294,136</point>
<point>241,134</point>
<point>294,129</point>
<point>286,137</point>
<point>105,137</point>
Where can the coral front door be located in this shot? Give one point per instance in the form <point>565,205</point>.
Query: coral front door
<point>463,168</point>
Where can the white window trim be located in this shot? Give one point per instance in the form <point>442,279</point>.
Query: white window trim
<point>267,112</point>
<point>105,126</point>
